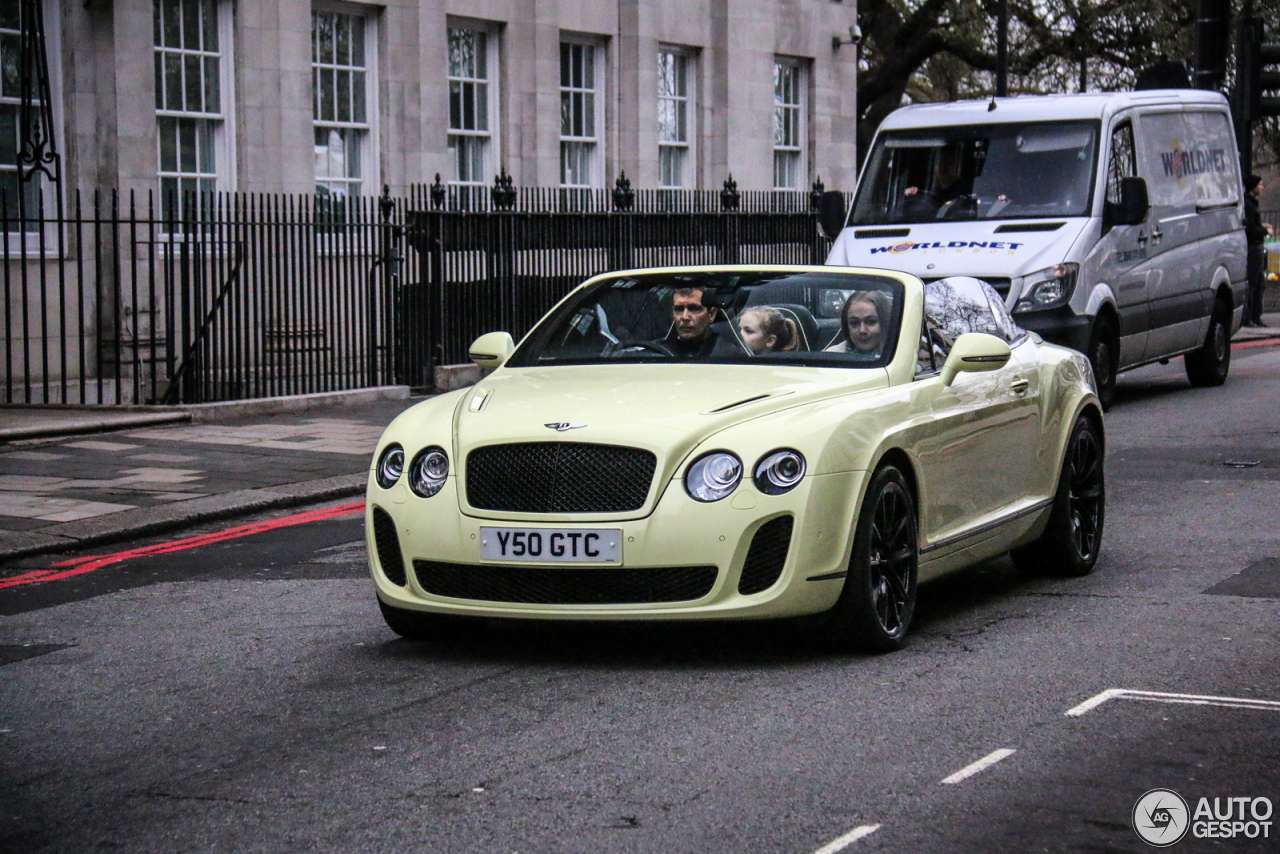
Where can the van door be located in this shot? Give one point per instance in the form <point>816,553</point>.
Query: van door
<point>1124,250</point>
<point>1170,158</point>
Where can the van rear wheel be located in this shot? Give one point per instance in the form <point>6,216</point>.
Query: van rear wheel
<point>1208,366</point>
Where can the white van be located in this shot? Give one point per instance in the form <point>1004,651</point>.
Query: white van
<point>1110,223</point>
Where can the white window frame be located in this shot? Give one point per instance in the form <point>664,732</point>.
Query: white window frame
<point>370,177</point>
<point>28,242</point>
<point>599,95</point>
<point>796,152</point>
<point>492,145</point>
<point>688,99</point>
<point>222,122</point>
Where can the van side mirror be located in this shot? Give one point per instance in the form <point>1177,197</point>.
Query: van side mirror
<point>491,349</point>
<point>974,352</point>
<point>1133,207</point>
<point>831,213</point>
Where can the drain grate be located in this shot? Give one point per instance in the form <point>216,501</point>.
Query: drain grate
<point>1259,581</point>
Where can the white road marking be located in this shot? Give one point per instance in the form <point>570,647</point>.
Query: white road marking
<point>981,765</point>
<point>1159,697</point>
<point>852,836</point>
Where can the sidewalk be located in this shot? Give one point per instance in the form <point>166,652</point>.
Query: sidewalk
<point>73,477</point>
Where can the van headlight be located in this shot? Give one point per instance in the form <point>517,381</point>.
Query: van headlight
<point>713,476</point>
<point>779,471</point>
<point>428,471</point>
<point>1049,288</point>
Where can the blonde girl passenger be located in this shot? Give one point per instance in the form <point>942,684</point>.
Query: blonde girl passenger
<point>765,330</point>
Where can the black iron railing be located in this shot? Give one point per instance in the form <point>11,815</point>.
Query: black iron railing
<point>235,296</point>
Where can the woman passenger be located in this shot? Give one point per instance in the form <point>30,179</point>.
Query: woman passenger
<point>864,319</point>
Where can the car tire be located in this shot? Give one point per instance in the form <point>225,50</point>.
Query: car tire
<point>1069,545</point>
<point>877,603</point>
<point>411,625</point>
<point>1104,355</point>
<point>1208,366</point>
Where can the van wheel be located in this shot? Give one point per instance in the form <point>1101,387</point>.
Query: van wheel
<point>879,596</point>
<point>1104,355</point>
<point>1069,545</point>
<point>1208,366</point>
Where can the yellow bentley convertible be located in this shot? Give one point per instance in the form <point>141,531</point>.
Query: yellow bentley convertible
<point>739,443</point>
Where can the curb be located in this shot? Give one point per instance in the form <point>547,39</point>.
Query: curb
<point>117,527</point>
<point>77,420</point>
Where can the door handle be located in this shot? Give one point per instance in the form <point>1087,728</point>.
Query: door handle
<point>1157,236</point>
<point>1142,237</point>
<point>1020,386</point>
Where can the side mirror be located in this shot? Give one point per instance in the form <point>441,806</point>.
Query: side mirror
<point>1134,204</point>
<point>974,352</point>
<point>831,213</point>
<point>492,349</point>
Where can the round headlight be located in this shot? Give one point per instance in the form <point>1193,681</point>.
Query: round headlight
<point>713,476</point>
<point>779,471</point>
<point>390,466</point>
<point>428,471</point>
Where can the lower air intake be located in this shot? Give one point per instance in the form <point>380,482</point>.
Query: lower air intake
<point>546,585</point>
<point>767,556</point>
<point>389,556</point>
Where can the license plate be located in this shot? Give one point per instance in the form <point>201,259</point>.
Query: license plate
<point>552,545</point>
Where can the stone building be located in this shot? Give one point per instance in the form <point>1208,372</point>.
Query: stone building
<point>297,96</point>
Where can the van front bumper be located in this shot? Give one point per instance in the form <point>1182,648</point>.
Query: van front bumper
<point>1059,326</point>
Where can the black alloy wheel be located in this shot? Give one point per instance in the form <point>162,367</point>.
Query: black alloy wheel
<point>1072,539</point>
<point>875,608</point>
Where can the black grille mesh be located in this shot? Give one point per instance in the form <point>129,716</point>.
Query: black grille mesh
<point>389,556</point>
<point>559,477</point>
<point>547,585</point>
<point>766,556</point>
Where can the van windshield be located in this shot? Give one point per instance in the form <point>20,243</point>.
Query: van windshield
<point>968,172</point>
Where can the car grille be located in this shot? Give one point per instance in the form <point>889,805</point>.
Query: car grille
<point>766,556</point>
<point>546,585</point>
<point>559,477</point>
<point>388,544</point>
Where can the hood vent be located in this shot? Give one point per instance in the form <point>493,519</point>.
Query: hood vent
<point>866,233</point>
<point>1029,226</point>
<point>738,403</point>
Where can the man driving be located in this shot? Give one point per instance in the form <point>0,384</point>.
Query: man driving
<point>691,335</point>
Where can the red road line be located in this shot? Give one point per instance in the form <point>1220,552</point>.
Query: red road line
<point>82,565</point>
<point>1257,342</point>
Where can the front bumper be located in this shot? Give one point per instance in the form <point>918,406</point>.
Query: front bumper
<point>1059,326</point>
<point>679,533</point>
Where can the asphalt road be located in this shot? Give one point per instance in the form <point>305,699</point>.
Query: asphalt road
<point>244,695</point>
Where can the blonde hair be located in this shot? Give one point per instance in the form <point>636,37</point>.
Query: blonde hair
<point>772,322</point>
<point>883,304</point>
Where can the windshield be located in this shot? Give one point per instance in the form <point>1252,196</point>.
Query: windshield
<point>817,319</point>
<point>1005,171</point>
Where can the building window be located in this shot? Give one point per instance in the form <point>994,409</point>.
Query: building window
<point>788,124</point>
<point>342,87</point>
<point>580,119</point>
<point>473,106</point>
<point>192,71</point>
<point>22,199</point>
<point>675,119</point>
